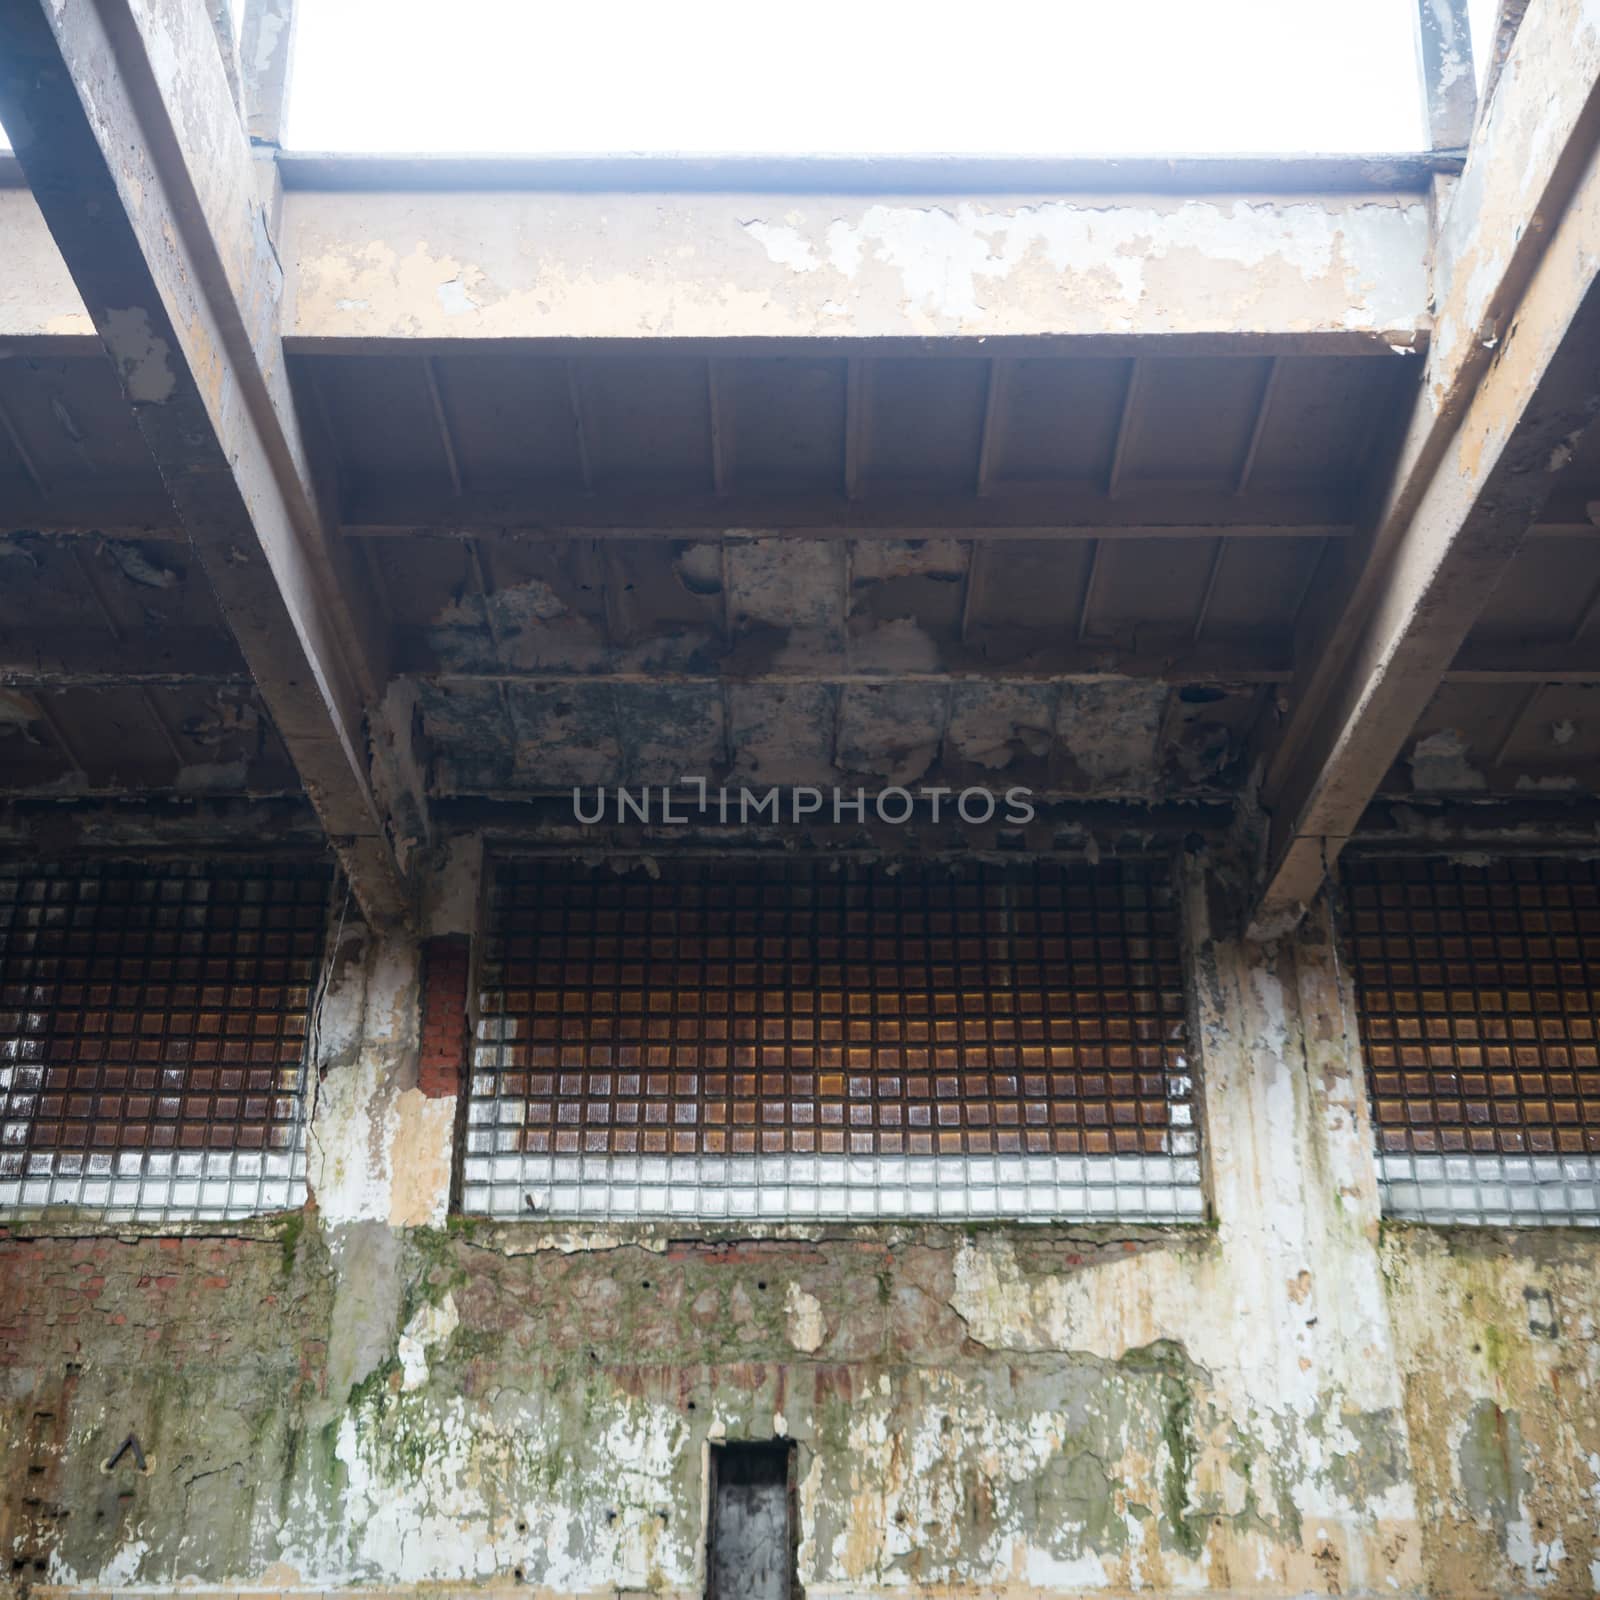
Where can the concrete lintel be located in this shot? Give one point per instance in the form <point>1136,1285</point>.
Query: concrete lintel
<point>127,129</point>
<point>484,264</point>
<point>1296,272</point>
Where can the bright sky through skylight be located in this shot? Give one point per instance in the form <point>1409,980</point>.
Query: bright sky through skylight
<point>1016,77</point>
<point>1005,76</point>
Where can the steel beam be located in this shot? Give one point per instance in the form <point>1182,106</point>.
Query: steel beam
<point>126,128</point>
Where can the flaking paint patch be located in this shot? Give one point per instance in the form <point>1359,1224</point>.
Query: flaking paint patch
<point>949,261</point>
<point>566,734</point>
<point>201,777</point>
<point>784,733</point>
<point>891,731</point>
<point>143,358</point>
<point>421,1140</point>
<point>455,298</point>
<point>806,1326</point>
<point>1108,731</point>
<point>430,1326</point>
<point>792,585</point>
<point>993,725</point>
<point>1442,762</point>
<point>379,1150</point>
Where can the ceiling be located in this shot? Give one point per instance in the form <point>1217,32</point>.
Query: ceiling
<point>630,564</point>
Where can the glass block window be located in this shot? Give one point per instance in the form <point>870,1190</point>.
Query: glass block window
<point>739,1039</point>
<point>1478,992</point>
<point>153,1031</point>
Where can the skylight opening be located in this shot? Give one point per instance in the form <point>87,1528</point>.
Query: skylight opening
<point>1016,77</point>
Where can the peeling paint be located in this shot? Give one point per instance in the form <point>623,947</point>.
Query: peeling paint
<point>144,360</point>
<point>614,267</point>
<point>1290,1403</point>
<point>1439,763</point>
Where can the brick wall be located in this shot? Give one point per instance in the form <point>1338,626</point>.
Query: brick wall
<point>446,966</point>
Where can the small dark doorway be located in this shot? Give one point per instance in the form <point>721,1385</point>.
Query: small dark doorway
<point>752,1532</point>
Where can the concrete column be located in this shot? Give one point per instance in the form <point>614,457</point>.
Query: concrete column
<point>266,51</point>
<point>1305,1330</point>
<point>382,1149</point>
<point>1444,63</point>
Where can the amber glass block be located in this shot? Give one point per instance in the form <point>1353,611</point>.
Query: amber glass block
<point>1477,990</point>
<point>751,1007</point>
<point>155,1009</point>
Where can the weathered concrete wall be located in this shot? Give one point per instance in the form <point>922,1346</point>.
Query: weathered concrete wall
<point>1497,1332</point>
<point>368,1395</point>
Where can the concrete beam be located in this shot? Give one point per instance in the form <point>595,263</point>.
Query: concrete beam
<point>38,299</point>
<point>93,659</point>
<point>266,57</point>
<point>1491,433</point>
<point>69,658</point>
<point>375,509</point>
<point>1284,272</point>
<point>1345,269</point>
<point>60,828</point>
<point>126,128</point>
<point>1508,18</point>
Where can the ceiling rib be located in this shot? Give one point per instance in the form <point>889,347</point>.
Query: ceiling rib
<point>972,589</point>
<point>1215,571</point>
<point>1091,578</point>
<point>1514,723</point>
<point>481,580</point>
<point>1125,419</point>
<point>441,418</point>
<point>992,397</point>
<point>718,418</point>
<point>35,477</point>
<point>855,425</point>
<point>1247,465</point>
<point>152,708</point>
<point>58,732</point>
<point>578,405</point>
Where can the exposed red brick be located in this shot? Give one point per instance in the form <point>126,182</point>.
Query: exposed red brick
<point>446,964</point>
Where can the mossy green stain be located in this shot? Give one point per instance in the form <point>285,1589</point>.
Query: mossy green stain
<point>289,1234</point>
<point>1495,1350</point>
<point>1177,1417</point>
<point>372,1389</point>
